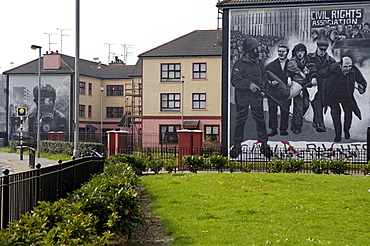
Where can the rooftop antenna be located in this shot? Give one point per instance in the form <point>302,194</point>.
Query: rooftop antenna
<point>49,34</point>
<point>61,38</point>
<point>95,59</point>
<point>125,51</point>
<point>109,51</point>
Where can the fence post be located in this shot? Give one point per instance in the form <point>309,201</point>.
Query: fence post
<point>38,183</point>
<point>5,198</point>
<point>60,179</point>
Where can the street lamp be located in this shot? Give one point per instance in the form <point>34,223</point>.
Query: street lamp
<point>101,113</point>
<point>34,47</point>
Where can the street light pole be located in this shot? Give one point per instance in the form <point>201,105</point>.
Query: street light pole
<point>101,113</point>
<point>182,102</point>
<point>76,151</point>
<point>38,142</point>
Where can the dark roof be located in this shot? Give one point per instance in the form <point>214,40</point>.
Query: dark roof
<point>137,71</point>
<point>229,3</point>
<point>87,68</point>
<point>196,43</point>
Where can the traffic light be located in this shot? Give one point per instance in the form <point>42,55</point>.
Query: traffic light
<point>21,111</point>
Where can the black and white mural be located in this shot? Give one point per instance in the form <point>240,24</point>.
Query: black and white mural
<point>55,103</point>
<point>298,79</point>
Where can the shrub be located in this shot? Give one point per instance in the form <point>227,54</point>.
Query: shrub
<point>112,199</point>
<point>218,162</point>
<point>233,165</point>
<point>193,163</point>
<point>247,167</point>
<point>58,223</point>
<point>170,164</point>
<point>275,165</point>
<point>292,165</point>
<point>365,169</point>
<point>135,161</point>
<point>154,164</point>
<point>338,166</point>
<point>320,166</point>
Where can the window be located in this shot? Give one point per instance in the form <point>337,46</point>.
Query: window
<point>82,111</point>
<point>82,87</point>
<point>199,101</point>
<point>211,133</point>
<point>114,90</point>
<point>114,112</point>
<point>199,71</point>
<point>90,89</point>
<point>169,134</point>
<point>171,72</point>
<point>89,112</point>
<point>170,102</point>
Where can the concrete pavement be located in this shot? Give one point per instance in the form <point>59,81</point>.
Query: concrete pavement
<point>12,162</point>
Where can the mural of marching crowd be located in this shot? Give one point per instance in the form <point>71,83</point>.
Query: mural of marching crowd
<point>299,78</point>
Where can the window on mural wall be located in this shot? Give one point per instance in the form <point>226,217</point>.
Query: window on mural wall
<point>82,111</point>
<point>171,72</point>
<point>169,134</point>
<point>114,112</point>
<point>199,71</point>
<point>170,102</point>
<point>114,90</point>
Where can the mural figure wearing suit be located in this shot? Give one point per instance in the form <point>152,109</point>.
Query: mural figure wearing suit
<point>279,68</point>
<point>249,77</point>
<point>339,89</point>
<point>322,61</point>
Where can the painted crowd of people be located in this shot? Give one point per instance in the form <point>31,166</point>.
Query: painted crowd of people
<point>302,80</point>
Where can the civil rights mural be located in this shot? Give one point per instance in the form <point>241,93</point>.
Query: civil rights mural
<point>55,106</point>
<point>298,79</point>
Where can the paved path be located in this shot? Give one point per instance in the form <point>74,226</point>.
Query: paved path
<point>12,162</point>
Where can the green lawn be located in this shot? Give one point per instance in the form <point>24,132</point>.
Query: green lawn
<point>262,208</point>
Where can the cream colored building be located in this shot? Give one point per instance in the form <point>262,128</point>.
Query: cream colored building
<point>182,88</point>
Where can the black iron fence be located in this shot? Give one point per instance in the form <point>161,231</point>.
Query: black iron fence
<point>20,192</point>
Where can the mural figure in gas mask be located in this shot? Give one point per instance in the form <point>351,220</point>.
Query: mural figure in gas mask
<point>51,120</point>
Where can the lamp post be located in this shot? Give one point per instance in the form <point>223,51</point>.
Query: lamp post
<point>34,47</point>
<point>101,113</point>
<point>182,102</point>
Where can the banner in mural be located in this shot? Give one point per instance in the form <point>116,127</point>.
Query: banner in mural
<point>54,106</point>
<point>298,74</point>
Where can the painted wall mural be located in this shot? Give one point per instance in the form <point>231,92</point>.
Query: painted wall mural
<point>55,105</point>
<point>298,78</point>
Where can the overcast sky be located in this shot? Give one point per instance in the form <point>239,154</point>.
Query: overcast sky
<point>141,25</point>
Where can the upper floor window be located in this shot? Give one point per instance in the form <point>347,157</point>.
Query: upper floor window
<point>171,72</point>
<point>211,133</point>
<point>114,112</point>
<point>114,90</point>
<point>199,71</point>
<point>199,101</point>
<point>90,89</point>
<point>82,111</point>
<point>82,87</point>
<point>170,102</point>
<point>89,112</point>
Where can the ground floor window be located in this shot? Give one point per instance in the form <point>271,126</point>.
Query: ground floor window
<point>212,133</point>
<point>169,134</point>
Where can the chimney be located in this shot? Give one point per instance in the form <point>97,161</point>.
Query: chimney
<point>52,61</point>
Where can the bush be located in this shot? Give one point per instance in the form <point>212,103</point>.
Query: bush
<point>135,161</point>
<point>112,198</point>
<point>58,223</point>
<point>247,167</point>
<point>338,166</point>
<point>218,162</point>
<point>320,166</point>
<point>275,165</point>
<point>292,165</point>
<point>154,164</point>
<point>233,165</point>
<point>366,168</point>
<point>170,164</point>
<point>193,163</point>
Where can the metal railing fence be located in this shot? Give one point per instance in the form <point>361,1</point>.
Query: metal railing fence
<point>20,192</point>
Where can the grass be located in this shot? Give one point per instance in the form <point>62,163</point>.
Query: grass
<point>56,157</point>
<point>262,208</point>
